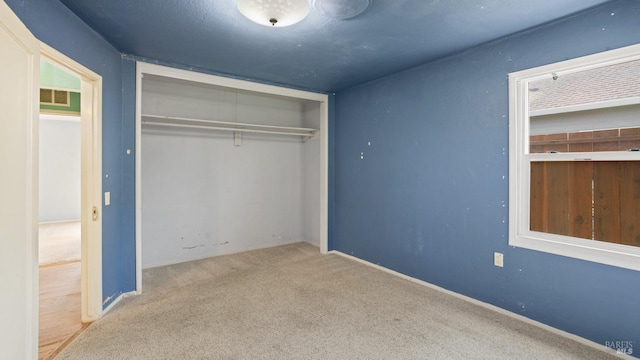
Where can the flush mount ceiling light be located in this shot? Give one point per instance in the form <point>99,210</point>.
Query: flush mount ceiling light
<point>276,13</point>
<point>341,9</point>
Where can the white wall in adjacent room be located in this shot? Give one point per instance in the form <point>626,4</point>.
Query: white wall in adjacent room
<point>59,167</point>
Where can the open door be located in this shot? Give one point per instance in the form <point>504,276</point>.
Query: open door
<point>20,59</point>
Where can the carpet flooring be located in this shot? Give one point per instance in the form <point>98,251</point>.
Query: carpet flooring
<point>291,302</point>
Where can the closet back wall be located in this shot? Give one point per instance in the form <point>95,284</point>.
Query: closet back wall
<point>201,195</point>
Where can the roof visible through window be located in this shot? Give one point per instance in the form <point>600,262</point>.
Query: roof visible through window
<point>613,82</point>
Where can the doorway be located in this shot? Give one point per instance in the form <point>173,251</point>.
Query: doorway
<point>19,130</point>
<point>70,231</point>
<point>59,224</point>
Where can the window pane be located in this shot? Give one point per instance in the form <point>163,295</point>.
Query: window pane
<point>595,200</point>
<point>591,110</point>
<point>601,84</point>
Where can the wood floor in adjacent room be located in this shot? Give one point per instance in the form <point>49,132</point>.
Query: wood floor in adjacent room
<point>60,307</point>
<point>60,302</point>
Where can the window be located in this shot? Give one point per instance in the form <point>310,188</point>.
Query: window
<point>54,97</point>
<point>574,158</point>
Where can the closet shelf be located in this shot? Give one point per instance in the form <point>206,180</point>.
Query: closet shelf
<point>225,126</point>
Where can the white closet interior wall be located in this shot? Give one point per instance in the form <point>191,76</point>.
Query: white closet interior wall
<point>311,178</point>
<point>202,196</point>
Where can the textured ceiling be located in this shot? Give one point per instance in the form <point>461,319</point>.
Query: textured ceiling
<point>318,53</point>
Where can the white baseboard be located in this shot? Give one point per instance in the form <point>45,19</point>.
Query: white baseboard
<point>223,253</point>
<point>117,300</point>
<point>58,222</point>
<point>488,306</point>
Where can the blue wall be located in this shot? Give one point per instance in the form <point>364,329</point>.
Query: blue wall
<point>429,197</point>
<point>55,25</point>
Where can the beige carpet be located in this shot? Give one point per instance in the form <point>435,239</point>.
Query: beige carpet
<point>59,242</point>
<point>290,302</point>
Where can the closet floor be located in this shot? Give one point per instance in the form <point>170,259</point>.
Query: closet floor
<point>60,308</point>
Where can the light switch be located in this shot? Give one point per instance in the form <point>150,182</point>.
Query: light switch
<point>107,198</point>
<point>498,259</point>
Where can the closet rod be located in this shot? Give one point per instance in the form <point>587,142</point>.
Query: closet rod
<point>263,129</point>
<point>228,129</point>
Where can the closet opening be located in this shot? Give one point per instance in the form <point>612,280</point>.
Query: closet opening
<point>225,166</point>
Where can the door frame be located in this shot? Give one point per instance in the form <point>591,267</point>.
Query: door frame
<point>91,182</point>
<point>19,183</point>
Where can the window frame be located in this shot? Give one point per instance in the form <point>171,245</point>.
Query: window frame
<point>520,159</point>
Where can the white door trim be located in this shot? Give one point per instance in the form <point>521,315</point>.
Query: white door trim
<point>91,188</point>
<point>18,188</point>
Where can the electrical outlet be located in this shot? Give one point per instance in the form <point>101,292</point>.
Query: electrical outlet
<point>498,259</point>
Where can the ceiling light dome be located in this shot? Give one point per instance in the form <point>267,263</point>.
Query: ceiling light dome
<point>276,13</point>
<point>341,9</point>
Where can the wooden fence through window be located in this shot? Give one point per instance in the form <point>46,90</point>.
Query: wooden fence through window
<point>596,200</point>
